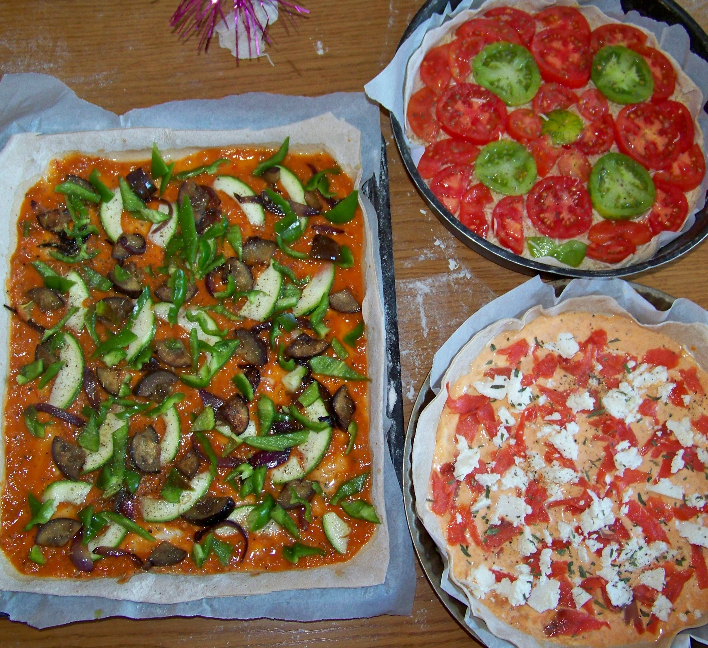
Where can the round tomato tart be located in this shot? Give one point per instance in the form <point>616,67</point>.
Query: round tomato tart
<point>556,132</point>
<point>568,480</point>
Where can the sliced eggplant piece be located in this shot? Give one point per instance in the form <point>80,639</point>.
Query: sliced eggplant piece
<point>44,353</point>
<point>131,285</point>
<point>47,300</point>
<point>304,347</point>
<point>68,457</point>
<point>164,293</point>
<point>111,379</point>
<point>141,183</point>
<point>325,248</point>
<point>173,352</point>
<point>312,200</point>
<point>211,217</point>
<point>54,220</point>
<point>253,375</point>
<point>201,198</point>
<point>144,450</point>
<point>210,510</point>
<point>128,245</point>
<point>91,388</point>
<point>303,489</point>
<point>343,407</point>
<point>258,251</point>
<point>156,385</point>
<point>235,411</point>
<point>164,555</point>
<point>272,175</point>
<point>241,273</point>
<point>252,350</point>
<point>189,464</point>
<point>343,301</point>
<point>79,181</point>
<point>57,532</point>
<point>114,310</point>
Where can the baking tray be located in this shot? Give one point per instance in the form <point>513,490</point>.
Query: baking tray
<point>425,548</point>
<point>666,11</point>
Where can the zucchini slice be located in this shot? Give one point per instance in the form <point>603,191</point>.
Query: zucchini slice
<point>144,327</point>
<point>78,294</point>
<point>94,460</point>
<point>240,516</point>
<point>111,537</point>
<point>337,531</point>
<point>111,214</point>
<point>70,378</point>
<point>66,492</point>
<point>161,233</point>
<point>314,292</point>
<point>238,189</point>
<point>169,445</point>
<point>162,310</point>
<point>267,287</point>
<point>159,510</point>
<point>291,183</point>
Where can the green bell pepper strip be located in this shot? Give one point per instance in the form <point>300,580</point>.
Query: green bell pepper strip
<point>243,386</point>
<point>199,317</point>
<point>344,210</point>
<point>82,255</point>
<point>286,272</point>
<point>205,421</point>
<point>188,228</point>
<point>208,450</point>
<point>288,227</point>
<point>217,230</point>
<point>60,324</point>
<point>175,485</point>
<point>277,441</point>
<point>310,395</point>
<point>286,321</point>
<point>131,201</point>
<point>315,426</point>
<point>112,358</point>
<point>288,365</point>
<point>200,552</point>
<point>346,257</point>
<point>296,499</point>
<point>350,487</point>
<point>230,289</point>
<point>178,285</point>
<point>339,349</point>
<point>266,414</point>
<point>260,514</point>
<point>40,511</point>
<point>69,188</point>
<point>51,279</point>
<point>353,335</point>
<point>222,551</point>
<point>571,252</point>
<point>194,348</point>
<point>92,522</point>
<point>29,372</point>
<point>207,168</point>
<point>274,160</point>
<point>36,555</point>
<point>279,514</point>
<point>352,431</point>
<point>317,317</point>
<point>96,280</point>
<point>150,215</point>
<point>111,478</point>
<point>233,236</point>
<point>171,400</point>
<point>320,182</point>
<point>128,525</point>
<point>117,341</point>
<point>298,550</point>
<point>90,323</point>
<point>361,510</point>
<point>103,191</point>
<point>253,484</point>
<point>132,480</point>
<point>51,371</point>
<point>285,249</point>
<point>165,180</point>
<point>89,438</point>
<point>329,366</point>
<point>158,166</point>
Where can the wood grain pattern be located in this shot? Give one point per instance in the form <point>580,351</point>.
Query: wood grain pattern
<point>121,54</point>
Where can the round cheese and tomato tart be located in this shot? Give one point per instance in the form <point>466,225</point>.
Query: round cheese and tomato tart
<point>569,481</point>
<point>556,132</point>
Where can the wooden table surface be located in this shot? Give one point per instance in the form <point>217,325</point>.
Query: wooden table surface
<point>122,54</point>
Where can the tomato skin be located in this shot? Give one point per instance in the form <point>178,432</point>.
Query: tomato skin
<point>563,57</point>
<point>435,69</point>
<point>611,251</point>
<point>472,207</point>
<point>593,104</point>
<point>686,171</point>
<point>444,488</point>
<point>617,34</point>
<point>472,113</point>
<point>698,562</point>
<point>567,622</point>
<point>598,136</point>
<point>608,230</point>
<point>488,27</point>
<point>661,69</point>
<point>450,184</point>
<point>650,526</point>
<point>524,125</point>
<point>508,223</point>
<point>545,154</point>
<point>421,114</point>
<point>560,207</point>
<point>444,153</point>
<point>573,163</point>
<point>552,96</point>
<point>670,208</point>
<point>520,21</point>
<point>560,17</point>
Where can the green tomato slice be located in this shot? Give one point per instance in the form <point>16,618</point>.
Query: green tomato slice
<point>563,126</point>
<point>509,71</point>
<point>622,75</point>
<point>620,187</point>
<point>507,167</point>
<point>571,252</point>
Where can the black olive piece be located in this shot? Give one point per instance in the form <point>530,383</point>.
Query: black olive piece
<point>235,411</point>
<point>68,457</point>
<point>47,300</point>
<point>131,285</point>
<point>241,273</point>
<point>172,352</point>
<point>54,220</point>
<point>111,379</point>
<point>210,510</point>
<point>57,532</point>
<point>312,200</point>
<point>251,350</point>
<point>128,245</point>
<point>44,353</point>
<point>156,385</point>
<point>189,464</point>
<point>258,251</point>
<point>344,301</point>
<point>144,450</point>
<point>164,293</point>
<point>343,407</point>
<point>78,180</point>
<point>253,375</point>
<point>325,248</point>
<point>304,347</point>
<point>141,183</point>
<point>114,310</point>
<point>164,555</point>
<point>303,489</point>
<point>272,175</point>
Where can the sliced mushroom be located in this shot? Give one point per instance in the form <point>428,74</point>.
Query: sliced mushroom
<point>303,489</point>
<point>304,347</point>
<point>68,457</point>
<point>189,464</point>
<point>325,248</point>
<point>44,353</point>
<point>111,380</point>
<point>343,407</point>
<point>57,532</point>
<point>114,310</point>
<point>144,450</point>
<point>47,300</point>
<point>54,220</point>
<point>210,510</point>
<point>258,251</point>
<point>164,293</point>
<point>251,350</point>
<point>172,352</point>
<point>241,273</point>
<point>141,183</point>
<point>344,301</point>
<point>235,411</point>
<point>156,385</point>
<point>130,285</point>
<point>128,245</point>
<point>164,555</point>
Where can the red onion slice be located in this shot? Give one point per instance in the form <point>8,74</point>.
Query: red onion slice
<point>326,229</point>
<point>79,553</point>
<point>302,210</point>
<point>61,414</point>
<point>210,400</point>
<point>226,523</point>
<point>110,552</point>
<point>269,458</point>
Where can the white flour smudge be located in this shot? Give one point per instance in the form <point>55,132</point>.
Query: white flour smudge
<point>320,49</point>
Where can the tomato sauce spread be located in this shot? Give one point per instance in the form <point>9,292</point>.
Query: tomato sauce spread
<point>569,480</point>
<point>187,384</point>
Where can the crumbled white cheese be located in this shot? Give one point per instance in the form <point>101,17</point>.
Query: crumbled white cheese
<point>580,401</point>
<point>593,544</point>
<point>696,534</point>
<point>686,398</point>
<point>501,436</point>
<point>494,388</point>
<point>518,395</point>
<point>565,345</point>
<point>623,403</point>
<point>543,399</point>
<point>654,578</point>
<point>481,503</point>
<point>517,591</point>
<point>619,593</point>
<point>627,495</point>
<point>629,458</point>
<point>488,479</point>
<point>505,416</point>
<point>580,596</point>
<point>512,508</point>
<point>664,391</point>
<point>526,544</point>
<point>666,487</point>
<point>556,474</point>
<point>544,562</point>
<point>467,459</point>
<point>662,608</point>
<point>702,456</point>
<point>548,429</point>
<point>677,463</point>
<point>482,580</point>
<point>583,554</point>
<point>545,595</point>
<point>598,515</point>
<point>553,417</point>
<point>644,377</point>
<point>547,536</point>
<point>565,443</point>
<point>536,461</point>
<point>697,500</point>
<point>515,478</point>
<point>682,431</point>
<point>568,534</point>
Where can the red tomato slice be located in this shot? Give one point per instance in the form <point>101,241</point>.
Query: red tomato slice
<point>567,18</point>
<point>443,487</point>
<point>574,164</point>
<point>524,125</point>
<point>593,104</point>
<point>421,115</point>
<point>562,56</point>
<point>698,562</point>
<point>520,21</point>
<point>486,27</point>
<point>682,117</point>
<point>617,34</point>
<point>450,185</point>
<point>662,70</point>
<point>560,207</point>
<point>545,154</point>
<point>611,251</point>
<point>508,223</point>
<point>608,230</point>
<point>472,206</point>
<point>650,525</point>
<point>670,208</point>
<point>661,357</point>
<point>472,113</point>
<point>687,171</point>
<point>435,69</point>
<point>445,153</point>
<point>551,96</point>
<point>598,136</point>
